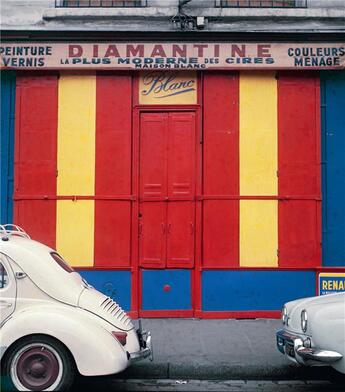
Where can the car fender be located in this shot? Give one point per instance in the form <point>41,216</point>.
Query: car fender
<point>327,325</point>
<point>88,337</point>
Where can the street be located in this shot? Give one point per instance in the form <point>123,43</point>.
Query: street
<point>216,355</point>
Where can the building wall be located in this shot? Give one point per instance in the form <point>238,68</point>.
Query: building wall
<point>41,15</point>
<point>257,202</point>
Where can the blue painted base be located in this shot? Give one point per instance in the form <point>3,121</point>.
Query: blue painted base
<point>254,290</point>
<point>166,290</point>
<point>115,284</point>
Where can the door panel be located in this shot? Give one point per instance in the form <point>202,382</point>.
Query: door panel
<point>180,234</point>
<point>152,234</point>
<point>181,155</point>
<point>153,155</point>
<point>167,190</point>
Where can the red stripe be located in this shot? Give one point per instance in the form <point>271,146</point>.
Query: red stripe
<point>35,155</point>
<point>211,315</point>
<point>299,170</point>
<point>221,170</point>
<point>166,313</point>
<point>240,315</point>
<point>113,170</point>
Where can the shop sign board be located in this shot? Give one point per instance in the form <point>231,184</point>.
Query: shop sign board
<point>331,282</point>
<point>182,56</point>
<point>167,88</point>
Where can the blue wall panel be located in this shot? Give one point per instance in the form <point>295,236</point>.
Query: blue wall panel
<point>254,290</point>
<point>166,290</point>
<point>333,173</point>
<point>115,284</point>
<point>7,108</point>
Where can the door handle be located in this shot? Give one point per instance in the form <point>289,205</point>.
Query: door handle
<point>163,228</point>
<point>140,229</point>
<point>5,304</point>
<point>169,228</point>
<point>191,228</point>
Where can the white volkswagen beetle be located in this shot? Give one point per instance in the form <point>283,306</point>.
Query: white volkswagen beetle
<point>53,324</point>
<point>314,331</point>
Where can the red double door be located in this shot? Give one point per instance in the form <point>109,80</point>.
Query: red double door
<point>167,190</point>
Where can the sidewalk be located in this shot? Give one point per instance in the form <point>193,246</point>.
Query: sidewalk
<point>218,349</point>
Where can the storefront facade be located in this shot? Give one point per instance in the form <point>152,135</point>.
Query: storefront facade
<point>181,179</point>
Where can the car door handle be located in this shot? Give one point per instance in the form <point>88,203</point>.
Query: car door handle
<point>5,304</point>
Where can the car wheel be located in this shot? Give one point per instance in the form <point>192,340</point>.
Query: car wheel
<point>39,363</point>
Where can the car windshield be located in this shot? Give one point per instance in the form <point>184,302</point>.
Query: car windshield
<point>62,263</point>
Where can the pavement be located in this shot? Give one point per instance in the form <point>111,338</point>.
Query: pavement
<point>194,349</point>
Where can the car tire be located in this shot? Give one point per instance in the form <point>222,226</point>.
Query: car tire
<point>38,363</point>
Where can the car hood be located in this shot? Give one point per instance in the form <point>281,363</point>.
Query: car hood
<point>104,307</point>
<point>312,305</point>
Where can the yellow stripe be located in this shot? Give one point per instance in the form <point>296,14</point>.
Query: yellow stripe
<point>76,135</point>
<point>75,231</point>
<point>76,167</point>
<point>331,275</point>
<point>258,233</point>
<point>258,134</point>
<point>258,169</point>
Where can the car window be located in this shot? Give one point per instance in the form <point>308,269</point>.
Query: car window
<point>3,276</point>
<point>62,263</point>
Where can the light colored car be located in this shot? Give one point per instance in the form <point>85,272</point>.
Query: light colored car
<point>314,331</point>
<point>53,324</point>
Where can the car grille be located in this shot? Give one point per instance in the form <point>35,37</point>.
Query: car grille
<point>115,310</point>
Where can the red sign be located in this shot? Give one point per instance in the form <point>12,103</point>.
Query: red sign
<point>165,56</point>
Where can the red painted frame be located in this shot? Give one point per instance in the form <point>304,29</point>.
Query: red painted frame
<point>275,314</point>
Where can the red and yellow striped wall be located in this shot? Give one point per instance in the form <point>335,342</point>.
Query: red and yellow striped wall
<point>73,189</point>
<point>262,134</point>
<point>258,181</point>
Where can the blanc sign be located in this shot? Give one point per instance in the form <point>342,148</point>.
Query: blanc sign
<point>167,87</point>
<point>181,56</point>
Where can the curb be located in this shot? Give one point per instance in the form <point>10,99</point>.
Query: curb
<point>223,371</point>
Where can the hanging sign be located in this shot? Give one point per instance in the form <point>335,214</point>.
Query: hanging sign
<point>331,282</point>
<point>167,56</point>
<point>167,88</point>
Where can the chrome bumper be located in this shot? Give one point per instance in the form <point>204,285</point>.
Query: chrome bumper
<point>294,347</point>
<point>146,349</point>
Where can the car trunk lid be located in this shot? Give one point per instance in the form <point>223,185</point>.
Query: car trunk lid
<point>104,307</point>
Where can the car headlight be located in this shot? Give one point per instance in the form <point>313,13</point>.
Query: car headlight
<point>304,320</point>
<point>284,315</point>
